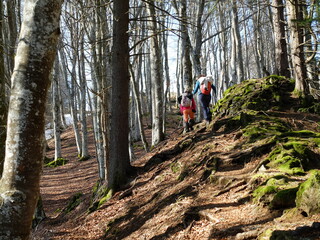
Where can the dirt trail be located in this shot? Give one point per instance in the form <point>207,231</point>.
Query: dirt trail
<point>158,204</point>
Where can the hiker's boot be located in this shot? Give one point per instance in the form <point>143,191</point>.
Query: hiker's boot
<point>186,127</point>
<point>191,124</point>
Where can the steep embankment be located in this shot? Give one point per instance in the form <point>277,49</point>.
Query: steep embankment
<point>249,175</point>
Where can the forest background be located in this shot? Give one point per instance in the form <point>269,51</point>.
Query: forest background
<point>113,66</point>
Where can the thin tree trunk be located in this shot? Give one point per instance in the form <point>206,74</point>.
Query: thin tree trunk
<point>83,102</point>
<point>3,100</point>
<point>139,111</point>
<point>237,42</point>
<point>56,111</point>
<point>13,31</point>
<point>157,78</point>
<point>185,45</point>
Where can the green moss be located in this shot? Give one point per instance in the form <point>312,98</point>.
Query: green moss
<point>58,162</point>
<point>254,94</point>
<point>100,194</point>
<point>74,202</point>
<point>185,143</point>
<point>106,197</point>
<point>84,158</point>
<point>284,199</point>
<point>308,195</point>
<point>175,167</point>
<point>294,155</point>
<point>277,192</point>
<point>264,127</point>
<point>184,173</point>
<point>260,194</point>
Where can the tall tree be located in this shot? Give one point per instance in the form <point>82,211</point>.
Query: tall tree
<point>56,111</point>
<point>157,77</point>
<point>281,51</point>
<point>118,163</point>
<point>186,47</point>
<point>13,30</point>
<point>3,100</point>
<point>19,185</point>
<point>295,10</point>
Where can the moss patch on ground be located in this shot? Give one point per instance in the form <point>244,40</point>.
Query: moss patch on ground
<point>56,163</point>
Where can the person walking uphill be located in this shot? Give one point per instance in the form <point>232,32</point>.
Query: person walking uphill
<point>187,109</point>
<point>204,86</point>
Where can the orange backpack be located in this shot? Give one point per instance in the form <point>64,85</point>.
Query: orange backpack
<point>205,87</point>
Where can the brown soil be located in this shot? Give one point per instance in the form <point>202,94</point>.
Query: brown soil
<point>156,204</point>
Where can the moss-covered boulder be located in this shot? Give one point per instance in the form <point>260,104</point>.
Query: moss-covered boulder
<point>308,195</point>
<point>277,192</point>
<point>295,154</point>
<point>255,94</point>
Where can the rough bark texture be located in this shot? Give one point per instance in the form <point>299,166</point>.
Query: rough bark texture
<point>19,185</point>
<point>281,52</point>
<point>185,45</point>
<point>119,162</point>
<point>3,102</point>
<point>295,14</point>
<point>56,111</point>
<point>156,78</point>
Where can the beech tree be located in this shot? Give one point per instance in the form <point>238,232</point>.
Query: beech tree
<point>156,68</point>
<point>295,10</point>
<point>3,100</point>
<point>281,51</point>
<point>118,164</point>
<point>19,185</point>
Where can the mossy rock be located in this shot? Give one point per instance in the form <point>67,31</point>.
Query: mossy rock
<point>308,195</point>
<point>273,234</point>
<point>277,192</point>
<point>294,156</point>
<point>254,94</point>
<point>284,199</point>
<point>58,162</point>
<point>264,127</point>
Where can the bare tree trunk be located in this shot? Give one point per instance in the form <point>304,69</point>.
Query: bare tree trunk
<point>19,185</point>
<point>97,92</point>
<point>139,111</point>
<point>223,77</point>
<point>56,111</point>
<point>73,107</point>
<point>118,165</point>
<point>157,78</point>
<point>295,16</point>
<point>185,45</point>
<point>83,103</point>
<point>13,31</point>
<point>3,100</point>
<point>198,39</point>
<point>237,42</point>
<point>281,51</point>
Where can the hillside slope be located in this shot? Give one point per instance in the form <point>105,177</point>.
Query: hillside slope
<point>243,177</point>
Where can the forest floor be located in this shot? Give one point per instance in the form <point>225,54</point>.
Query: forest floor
<point>162,201</point>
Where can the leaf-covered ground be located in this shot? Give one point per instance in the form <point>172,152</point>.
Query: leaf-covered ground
<point>212,183</point>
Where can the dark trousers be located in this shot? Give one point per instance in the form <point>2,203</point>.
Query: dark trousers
<point>205,101</point>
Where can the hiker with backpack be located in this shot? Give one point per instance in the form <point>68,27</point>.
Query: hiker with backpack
<point>204,86</point>
<point>187,109</point>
